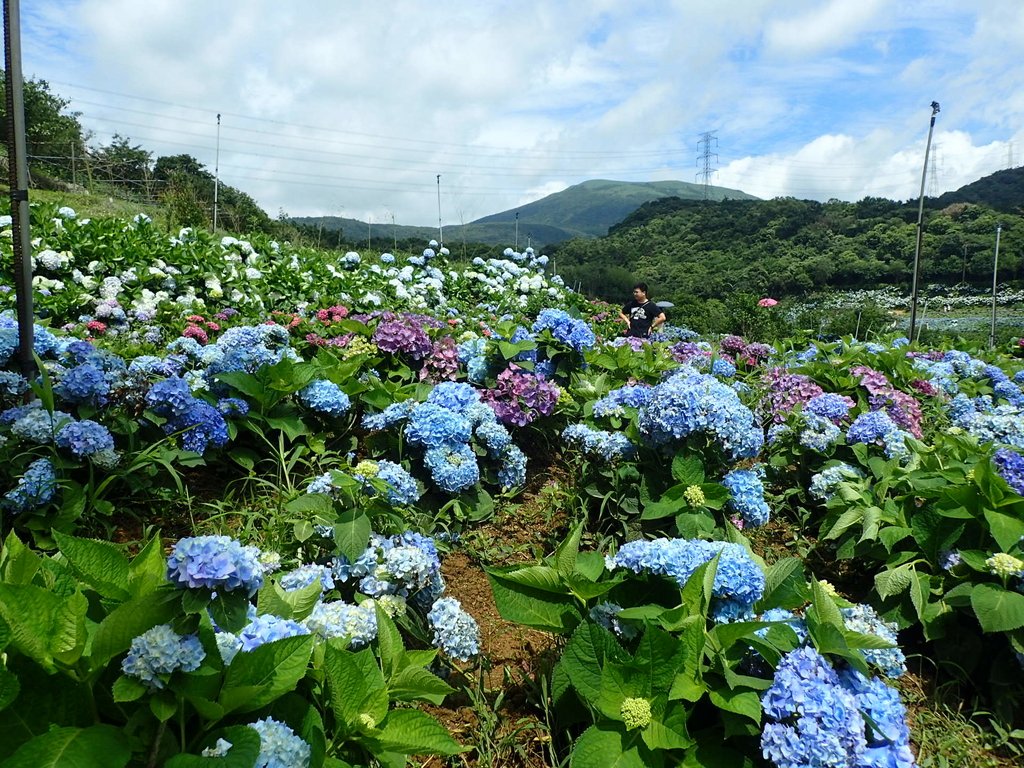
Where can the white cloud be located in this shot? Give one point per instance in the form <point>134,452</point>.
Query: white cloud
<point>358,106</point>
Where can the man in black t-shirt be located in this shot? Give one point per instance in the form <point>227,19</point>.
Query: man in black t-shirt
<point>641,314</point>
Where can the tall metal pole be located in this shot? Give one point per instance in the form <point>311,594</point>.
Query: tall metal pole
<point>440,232</point>
<point>995,272</point>
<point>216,174</point>
<point>369,229</point>
<point>394,230</point>
<point>920,224</point>
<point>517,231</point>
<point>18,181</point>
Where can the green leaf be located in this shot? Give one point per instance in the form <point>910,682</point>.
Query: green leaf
<point>245,750</point>
<point>294,604</point>
<point>534,607</point>
<point>31,614</point>
<point>257,677</point>
<point>659,735</point>
<point>1006,529</point>
<point>893,581</point>
<point>311,504</point>
<point>347,684</point>
<point>230,610</point>
<point>128,689</point>
<point>115,633</point>
<point>148,569</point>
<point>413,732</point>
<point>99,564</point>
<point>997,609</point>
<point>823,607</point>
<point>745,703</point>
<point>540,577</point>
<point>9,688</point>
<point>604,746</point>
<point>785,584</point>
<point>584,658</point>
<point>416,683</point>
<point>101,746</point>
<point>568,550</point>
<point>389,643</point>
<point>657,657</point>
<point>163,706</point>
<point>352,533</point>
<point>18,563</point>
<point>687,470</point>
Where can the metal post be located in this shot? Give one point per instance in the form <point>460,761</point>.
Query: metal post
<point>920,224</point>
<point>216,174</point>
<point>517,231</point>
<point>369,229</point>
<point>995,272</point>
<point>394,231</point>
<point>440,232</point>
<point>18,181</point>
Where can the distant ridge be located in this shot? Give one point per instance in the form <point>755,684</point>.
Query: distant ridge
<point>587,210</point>
<point>1002,191</point>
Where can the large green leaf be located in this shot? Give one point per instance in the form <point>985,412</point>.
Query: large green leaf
<point>606,746</point>
<point>257,677</point>
<point>532,607</point>
<point>9,688</point>
<point>657,658</point>
<point>129,620</point>
<point>101,746</point>
<point>567,552</point>
<point>584,658</point>
<point>347,684</point>
<point>413,732</point>
<point>32,615</point>
<point>1006,529</point>
<point>997,609</point>
<point>687,470</point>
<point>352,533</point>
<point>245,750</point>
<point>746,703</point>
<point>416,683</point>
<point>295,604</point>
<point>148,569</point>
<point>18,563</point>
<point>99,564</point>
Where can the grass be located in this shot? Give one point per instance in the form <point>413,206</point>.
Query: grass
<point>100,205</point>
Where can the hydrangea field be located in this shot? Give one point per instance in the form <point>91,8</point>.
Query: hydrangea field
<point>230,492</point>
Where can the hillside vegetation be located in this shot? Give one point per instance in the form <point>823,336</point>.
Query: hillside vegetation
<point>787,247</point>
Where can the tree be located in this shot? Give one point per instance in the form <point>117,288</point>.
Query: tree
<point>121,163</point>
<point>54,138</point>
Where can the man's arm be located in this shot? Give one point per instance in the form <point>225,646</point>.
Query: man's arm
<point>658,321</point>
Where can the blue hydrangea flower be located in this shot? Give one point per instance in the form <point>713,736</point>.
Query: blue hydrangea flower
<point>607,615</point>
<point>83,385</point>
<point>570,331</point>
<point>693,403</point>
<point>305,575</point>
<point>512,472</point>
<point>401,487</point>
<point>325,397</point>
<point>453,468</point>
<point>279,746</point>
<point>232,407</point>
<point>738,580</point>
<point>455,631</point>
<point>455,396</point>
<point>824,484</point>
<point>810,719</point>
<point>216,563</point>
<point>829,406</point>
<point>268,628</point>
<point>406,565</point>
<point>340,619</point>
<point>1010,466</point>
<point>37,425</point>
<point>888,737</point>
<point>609,446</point>
<point>862,618</point>
<point>722,367</point>
<point>616,401</point>
<point>746,496</point>
<point>35,488</point>
<point>431,426</point>
<point>12,384</point>
<point>159,652</point>
<point>869,427</point>
<point>85,438</point>
<point>819,433</point>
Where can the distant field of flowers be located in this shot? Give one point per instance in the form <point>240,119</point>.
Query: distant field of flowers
<point>228,494</point>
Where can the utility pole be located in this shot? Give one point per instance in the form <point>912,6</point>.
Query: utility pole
<point>440,232</point>
<point>517,231</point>
<point>920,224</point>
<point>216,174</point>
<point>18,181</point>
<point>995,272</point>
<point>369,226</point>
<point>704,160</point>
<point>394,230</point>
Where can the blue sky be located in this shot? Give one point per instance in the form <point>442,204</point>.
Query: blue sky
<point>354,108</point>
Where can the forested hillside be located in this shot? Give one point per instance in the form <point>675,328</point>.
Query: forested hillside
<point>784,247</point>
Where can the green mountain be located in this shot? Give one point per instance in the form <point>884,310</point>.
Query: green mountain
<point>584,210</point>
<point>1002,191</point>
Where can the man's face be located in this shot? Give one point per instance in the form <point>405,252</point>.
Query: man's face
<point>639,295</point>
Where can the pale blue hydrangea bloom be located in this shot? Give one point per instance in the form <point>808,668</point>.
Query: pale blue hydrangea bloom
<point>215,563</point>
<point>159,652</point>
<point>325,397</point>
<point>340,619</point>
<point>455,631</point>
<point>862,618</point>
<point>268,628</point>
<point>279,746</point>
